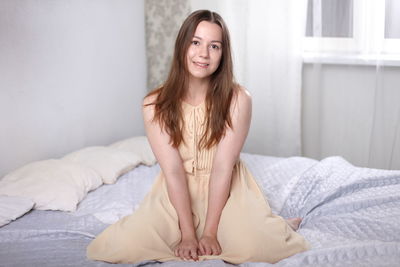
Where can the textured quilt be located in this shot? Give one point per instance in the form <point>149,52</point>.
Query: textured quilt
<point>350,216</point>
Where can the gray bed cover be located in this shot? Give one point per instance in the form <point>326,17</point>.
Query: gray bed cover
<point>351,216</point>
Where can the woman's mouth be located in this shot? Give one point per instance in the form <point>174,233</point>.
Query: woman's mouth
<point>201,65</point>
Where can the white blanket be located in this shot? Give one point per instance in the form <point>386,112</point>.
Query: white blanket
<point>350,216</point>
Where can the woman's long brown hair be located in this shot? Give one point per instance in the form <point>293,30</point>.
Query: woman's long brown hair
<point>168,111</point>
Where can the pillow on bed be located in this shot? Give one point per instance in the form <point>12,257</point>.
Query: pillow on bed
<point>138,145</point>
<point>108,162</point>
<point>51,184</point>
<point>13,207</point>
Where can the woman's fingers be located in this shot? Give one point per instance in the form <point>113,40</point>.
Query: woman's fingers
<point>193,251</point>
<point>208,250</point>
<point>181,253</point>
<point>178,251</point>
<point>216,250</point>
<point>193,254</point>
<point>201,249</point>
<point>209,246</point>
<point>186,253</point>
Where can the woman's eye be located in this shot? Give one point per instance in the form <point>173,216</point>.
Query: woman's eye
<point>195,42</point>
<point>214,46</point>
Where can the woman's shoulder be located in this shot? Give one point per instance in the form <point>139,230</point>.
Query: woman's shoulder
<point>242,95</point>
<point>148,104</point>
<point>151,97</point>
<point>149,100</point>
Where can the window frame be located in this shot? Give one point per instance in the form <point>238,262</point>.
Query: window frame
<point>368,44</point>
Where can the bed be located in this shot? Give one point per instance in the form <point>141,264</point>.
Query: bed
<point>351,215</point>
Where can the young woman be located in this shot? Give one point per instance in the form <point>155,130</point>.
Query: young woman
<point>204,204</point>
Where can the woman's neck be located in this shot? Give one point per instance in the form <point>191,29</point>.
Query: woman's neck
<point>197,91</point>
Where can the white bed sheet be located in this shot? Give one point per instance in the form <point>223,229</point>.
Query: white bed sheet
<point>350,216</point>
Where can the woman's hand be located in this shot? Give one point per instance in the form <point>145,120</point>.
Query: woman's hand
<point>209,245</point>
<point>187,249</point>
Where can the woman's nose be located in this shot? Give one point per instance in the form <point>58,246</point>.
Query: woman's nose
<point>204,52</point>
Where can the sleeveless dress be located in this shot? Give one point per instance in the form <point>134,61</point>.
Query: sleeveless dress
<point>247,232</point>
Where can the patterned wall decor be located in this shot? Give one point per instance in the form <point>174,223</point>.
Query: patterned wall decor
<point>163,19</point>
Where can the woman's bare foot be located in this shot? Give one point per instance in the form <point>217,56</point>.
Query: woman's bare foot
<point>294,223</point>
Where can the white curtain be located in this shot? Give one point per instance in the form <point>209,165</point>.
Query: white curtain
<point>351,83</point>
<point>318,97</point>
<point>267,45</point>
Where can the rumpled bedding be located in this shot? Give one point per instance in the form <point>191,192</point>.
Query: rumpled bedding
<point>350,216</point>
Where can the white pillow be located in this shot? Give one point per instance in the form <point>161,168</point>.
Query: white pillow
<point>138,145</point>
<point>13,207</point>
<point>51,184</point>
<point>109,163</point>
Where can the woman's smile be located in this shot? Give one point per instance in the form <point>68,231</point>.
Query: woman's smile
<point>205,51</point>
<point>201,65</point>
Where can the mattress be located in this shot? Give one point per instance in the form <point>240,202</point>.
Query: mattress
<point>350,215</point>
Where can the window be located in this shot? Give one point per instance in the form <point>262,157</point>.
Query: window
<point>334,17</point>
<point>392,22</point>
<point>392,26</point>
<point>355,30</point>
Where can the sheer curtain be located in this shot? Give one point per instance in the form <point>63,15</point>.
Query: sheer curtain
<point>267,45</point>
<point>340,96</point>
<point>351,97</point>
<point>334,92</point>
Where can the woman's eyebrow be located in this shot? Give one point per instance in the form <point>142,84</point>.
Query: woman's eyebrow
<point>213,41</point>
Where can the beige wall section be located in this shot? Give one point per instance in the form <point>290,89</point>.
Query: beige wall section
<point>72,74</point>
<point>344,115</point>
<point>163,20</point>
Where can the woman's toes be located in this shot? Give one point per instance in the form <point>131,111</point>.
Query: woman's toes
<point>294,223</point>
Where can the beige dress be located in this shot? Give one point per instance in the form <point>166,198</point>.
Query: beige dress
<point>247,232</point>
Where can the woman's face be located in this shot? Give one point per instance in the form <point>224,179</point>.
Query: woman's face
<point>205,51</point>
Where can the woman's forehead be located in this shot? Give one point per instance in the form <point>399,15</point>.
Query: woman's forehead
<point>208,31</point>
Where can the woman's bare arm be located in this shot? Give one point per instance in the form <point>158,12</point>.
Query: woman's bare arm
<point>227,154</point>
<point>171,164</point>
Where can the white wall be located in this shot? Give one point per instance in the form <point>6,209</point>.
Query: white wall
<point>72,74</point>
<point>344,115</point>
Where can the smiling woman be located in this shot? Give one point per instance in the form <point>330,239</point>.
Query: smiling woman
<point>204,53</point>
<point>196,123</point>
